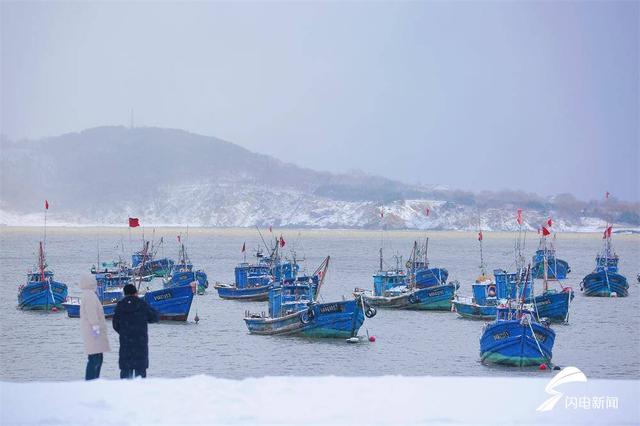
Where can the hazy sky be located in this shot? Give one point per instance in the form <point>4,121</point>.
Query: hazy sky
<point>541,96</point>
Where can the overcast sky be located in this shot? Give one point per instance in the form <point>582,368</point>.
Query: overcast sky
<point>541,96</point>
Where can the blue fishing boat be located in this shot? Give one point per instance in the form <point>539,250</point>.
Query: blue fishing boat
<point>395,289</point>
<point>516,337</point>
<point>183,273</point>
<point>173,303</point>
<point>294,310</point>
<point>108,296</point>
<point>148,264</point>
<point>482,305</point>
<point>605,280</point>
<point>556,269</point>
<point>254,280</point>
<point>41,291</point>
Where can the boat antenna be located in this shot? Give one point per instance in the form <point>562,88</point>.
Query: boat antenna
<point>263,241</point>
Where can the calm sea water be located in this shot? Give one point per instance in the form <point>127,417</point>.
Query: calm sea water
<point>602,338</point>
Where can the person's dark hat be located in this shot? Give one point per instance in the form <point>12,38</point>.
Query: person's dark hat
<point>130,290</point>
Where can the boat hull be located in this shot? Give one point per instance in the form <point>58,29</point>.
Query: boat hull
<point>557,269</point>
<point>554,305</point>
<point>256,293</point>
<point>42,295</point>
<point>172,304</point>
<point>512,343</point>
<point>329,320</point>
<point>185,278</point>
<point>436,298</point>
<point>603,284</point>
<point>474,311</point>
<point>73,309</point>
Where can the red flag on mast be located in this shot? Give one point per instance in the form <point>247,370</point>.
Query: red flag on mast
<point>179,239</point>
<point>545,231</point>
<point>549,222</point>
<point>606,195</point>
<point>46,204</point>
<point>270,230</point>
<point>427,210</point>
<point>381,214</point>
<point>607,232</point>
<point>134,222</point>
<point>282,242</point>
<point>480,236</point>
<point>519,218</point>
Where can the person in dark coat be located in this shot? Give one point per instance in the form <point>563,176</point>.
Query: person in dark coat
<point>130,322</point>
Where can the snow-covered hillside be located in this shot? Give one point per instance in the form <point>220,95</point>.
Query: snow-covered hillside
<point>104,175</point>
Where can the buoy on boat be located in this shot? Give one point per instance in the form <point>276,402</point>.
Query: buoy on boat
<point>557,367</point>
<point>542,367</point>
<point>614,294</point>
<point>54,309</point>
<point>372,338</point>
<point>353,340</point>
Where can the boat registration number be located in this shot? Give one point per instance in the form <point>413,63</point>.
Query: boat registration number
<point>435,293</point>
<point>163,296</point>
<point>330,308</point>
<point>500,336</point>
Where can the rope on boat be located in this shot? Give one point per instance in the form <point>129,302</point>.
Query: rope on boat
<point>606,275</point>
<point>566,318</point>
<point>533,334</point>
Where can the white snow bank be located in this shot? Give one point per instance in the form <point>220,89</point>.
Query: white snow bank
<point>315,400</point>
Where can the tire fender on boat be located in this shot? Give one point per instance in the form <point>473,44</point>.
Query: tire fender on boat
<point>304,317</point>
<point>370,311</point>
<point>413,298</point>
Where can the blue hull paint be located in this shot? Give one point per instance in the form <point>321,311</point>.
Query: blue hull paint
<point>334,320</point>
<point>474,311</point>
<point>173,303</point>
<point>431,277</point>
<point>553,305</point>
<point>257,293</point>
<point>436,298</point>
<point>42,295</point>
<point>512,343</point>
<point>557,269</point>
<point>185,278</point>
<point>602,284</point>
<point>73,309</point>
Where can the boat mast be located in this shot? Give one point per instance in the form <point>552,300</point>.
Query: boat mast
<point>380,259</point>
<point>426,250</point>
<point>41,262</point>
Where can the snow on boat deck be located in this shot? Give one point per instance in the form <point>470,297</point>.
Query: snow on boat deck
<point>386,400</point>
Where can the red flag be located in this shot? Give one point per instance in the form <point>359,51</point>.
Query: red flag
<point>46,205</point>
<point>606,195</point>
<point>244,247</point>
<point>545,231</point>
<point>480,236</point>
<point>519,218</point>
<point>178,238</point>
<point>549,222</point>
<point>607,232</point>
<point>426,211</point>
<point>270,230</point>
<point>381,214</point>
<point>282,242</point>
<point>134,222</point>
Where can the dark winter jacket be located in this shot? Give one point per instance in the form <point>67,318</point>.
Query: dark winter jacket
<point>130,321</point>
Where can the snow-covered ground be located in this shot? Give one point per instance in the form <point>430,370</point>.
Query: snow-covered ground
<point>319,400</point>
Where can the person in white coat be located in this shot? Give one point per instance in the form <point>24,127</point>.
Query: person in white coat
<point>93,326</point>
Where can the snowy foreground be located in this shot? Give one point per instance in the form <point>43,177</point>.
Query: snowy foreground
<point>318,400</point>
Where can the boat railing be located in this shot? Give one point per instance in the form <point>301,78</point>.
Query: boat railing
<point>465,299</point>
<point>73,300</point>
